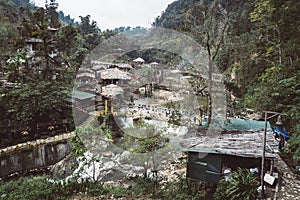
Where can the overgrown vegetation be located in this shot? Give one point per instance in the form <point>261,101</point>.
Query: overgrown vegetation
<point>143,138</point>
<point>78,148</point>
<point>293,148</point>
<point>44,188</point>
<point>242,184</point>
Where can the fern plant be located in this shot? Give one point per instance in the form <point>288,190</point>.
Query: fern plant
<point>241,185</point>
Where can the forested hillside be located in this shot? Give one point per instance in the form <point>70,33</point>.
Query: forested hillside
<point>255,44</point>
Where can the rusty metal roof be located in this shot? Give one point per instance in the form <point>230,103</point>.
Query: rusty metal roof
<point>244,143</point>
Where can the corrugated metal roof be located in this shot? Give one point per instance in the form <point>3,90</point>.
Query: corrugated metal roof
<point>243,143</point>
<point>86,74</point>
<point>76,94</point>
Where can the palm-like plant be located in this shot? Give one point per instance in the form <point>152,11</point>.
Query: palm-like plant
<point>241,185</point>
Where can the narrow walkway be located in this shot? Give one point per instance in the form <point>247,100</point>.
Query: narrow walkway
<point>289,188</point>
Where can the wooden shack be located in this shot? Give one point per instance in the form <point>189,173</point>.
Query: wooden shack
<point>209,155</point>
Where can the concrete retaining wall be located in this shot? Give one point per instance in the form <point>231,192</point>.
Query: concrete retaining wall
<point>33,157</point>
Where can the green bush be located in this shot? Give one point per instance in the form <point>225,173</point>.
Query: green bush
<point>118,191</point>
<point>220,191</point>
<point>38,188</point>
<point>25,188</point>
<point>241,185</point>
<point>179,189</point>
<point>293,145</point>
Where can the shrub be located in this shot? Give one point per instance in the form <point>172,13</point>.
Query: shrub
<point>38,188</point>
<point>241,185</point>
<point>25,188</point>
<point>293,145</point>
<point>179,189</point>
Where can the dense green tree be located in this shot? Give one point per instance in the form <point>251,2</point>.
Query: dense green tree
<point>89,31</point>
<point>277,88</point>
<point>10,15</point>
<point>277,56</point>
<point>42,80</point>
<point>37,27</point>
<point>31,103</point>
<point>66,18</point>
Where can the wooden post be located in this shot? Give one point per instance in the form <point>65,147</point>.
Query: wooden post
<point>263,157</point>
<point>200,115</point>
<point>106,107</point>
<point>264,148</point>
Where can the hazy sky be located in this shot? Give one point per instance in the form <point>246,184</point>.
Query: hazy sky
<point>110,14</point>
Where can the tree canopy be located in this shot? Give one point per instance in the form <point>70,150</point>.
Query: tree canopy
<point>40,55</point>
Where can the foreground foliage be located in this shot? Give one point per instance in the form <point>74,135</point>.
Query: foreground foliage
<point>43,188</point>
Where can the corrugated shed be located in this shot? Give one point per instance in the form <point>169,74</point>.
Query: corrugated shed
<point>238,143</point>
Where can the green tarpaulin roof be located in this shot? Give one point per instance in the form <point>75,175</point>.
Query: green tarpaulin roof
<point>233,124</point>
<point>243,125</point>
<point>81,95</point>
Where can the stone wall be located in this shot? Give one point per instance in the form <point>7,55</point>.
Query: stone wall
<point>33,156</point>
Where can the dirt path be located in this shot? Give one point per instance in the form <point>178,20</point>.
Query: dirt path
<point>289,188</point>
